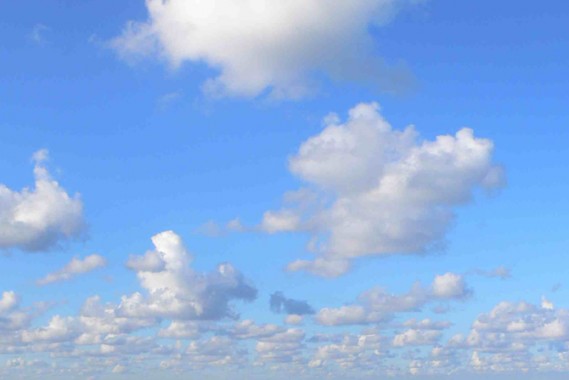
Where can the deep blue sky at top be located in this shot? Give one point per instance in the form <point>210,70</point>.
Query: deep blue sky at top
<point>498,67</point>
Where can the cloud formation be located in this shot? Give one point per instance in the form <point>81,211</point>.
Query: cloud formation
<point>377,305</point>
<point>174,290</point>
<point>74,268</point>
<point>281,304</point>
<point>261,44</point>
<point>374,190</point>
<point>39,218</point>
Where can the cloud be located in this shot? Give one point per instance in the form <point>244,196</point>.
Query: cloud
<point>280,304</point>
<point>377,191</point>
<point>257,45</point>
<point>516,336</point>
<point>12,317</point>
<point>284,347</point>
<point>174,290</point>
<point>39,218</point>
<point>414,337</point>
<point>38,33</point>
<point>501,272</point>
<point>450,285</point>
<point>74,268</point>
<point>376,305</point>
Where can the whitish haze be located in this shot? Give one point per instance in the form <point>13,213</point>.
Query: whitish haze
<point>293,189</point>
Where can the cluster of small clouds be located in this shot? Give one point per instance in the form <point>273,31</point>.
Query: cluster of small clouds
<point>512,337</point>
<point>260,45</point>
<point>377,305</point>
<point>374,190</point>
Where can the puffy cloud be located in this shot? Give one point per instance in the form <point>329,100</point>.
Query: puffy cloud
<point>280,221</point>
<point>59,329</point>
<point>74,268</point>
<point>284,347</point>
<point>415,337</point>
<point>281,304</point>
<point>501,272</point>
<point>250,330</point>
<point>380,191</point>
<point>449,285</point>
<point>37,219</point>
<point>261,44</point>
<point>350,352</point>
<point>174,290</point>
<point>294,319</point>
<point>376,305</point>
<point>12,317</point>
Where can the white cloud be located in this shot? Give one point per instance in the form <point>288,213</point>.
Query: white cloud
<point>38,33</point>
<point>376,305</point>
<point>37,219</point>
<point>500,272</point>
<point>284,347</point>
<point>174,290</point>
<point>12,317</point>
<point>379,190</point>
<point>261,44</point>
<point>294,319</point>
<point>280,221</point>
<point>449,285</point>
<point>74,268</point>
<point>414,337</point>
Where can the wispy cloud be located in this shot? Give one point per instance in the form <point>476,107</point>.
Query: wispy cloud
<point>73,269</point>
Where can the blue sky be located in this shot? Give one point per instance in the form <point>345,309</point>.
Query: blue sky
<point>260,146</point>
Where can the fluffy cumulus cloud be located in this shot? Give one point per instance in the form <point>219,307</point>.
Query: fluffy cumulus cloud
<point>377,305</point>
<point>174,290</point>
<point>262,44</point>
<point>36,219</point>
<point>375,190</point>
<point>74,268</point>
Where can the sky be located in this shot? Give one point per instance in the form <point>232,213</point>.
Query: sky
<point>258,189</point>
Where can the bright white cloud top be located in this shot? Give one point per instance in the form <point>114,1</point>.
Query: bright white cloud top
<point>375,190</point>
<point>174,290</point>
<point>37,219</point>
<point>263,44</point>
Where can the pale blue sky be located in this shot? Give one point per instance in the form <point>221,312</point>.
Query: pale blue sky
<point>131,128</point>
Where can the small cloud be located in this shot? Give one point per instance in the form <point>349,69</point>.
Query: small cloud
<point>38,34</point>
<point>168,99</point>
<point>73,269</point>
<point>294,319</point>
<point>281,304</point>
<point>501,272</point>
<point>214,229</point>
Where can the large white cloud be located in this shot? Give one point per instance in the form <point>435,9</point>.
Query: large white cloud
<point>375,190</point>
<point>36,219</point>
<point>264,44</point>
<point>174,290</point>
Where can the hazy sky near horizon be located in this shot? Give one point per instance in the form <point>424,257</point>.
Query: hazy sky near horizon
<point>260,189</point>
